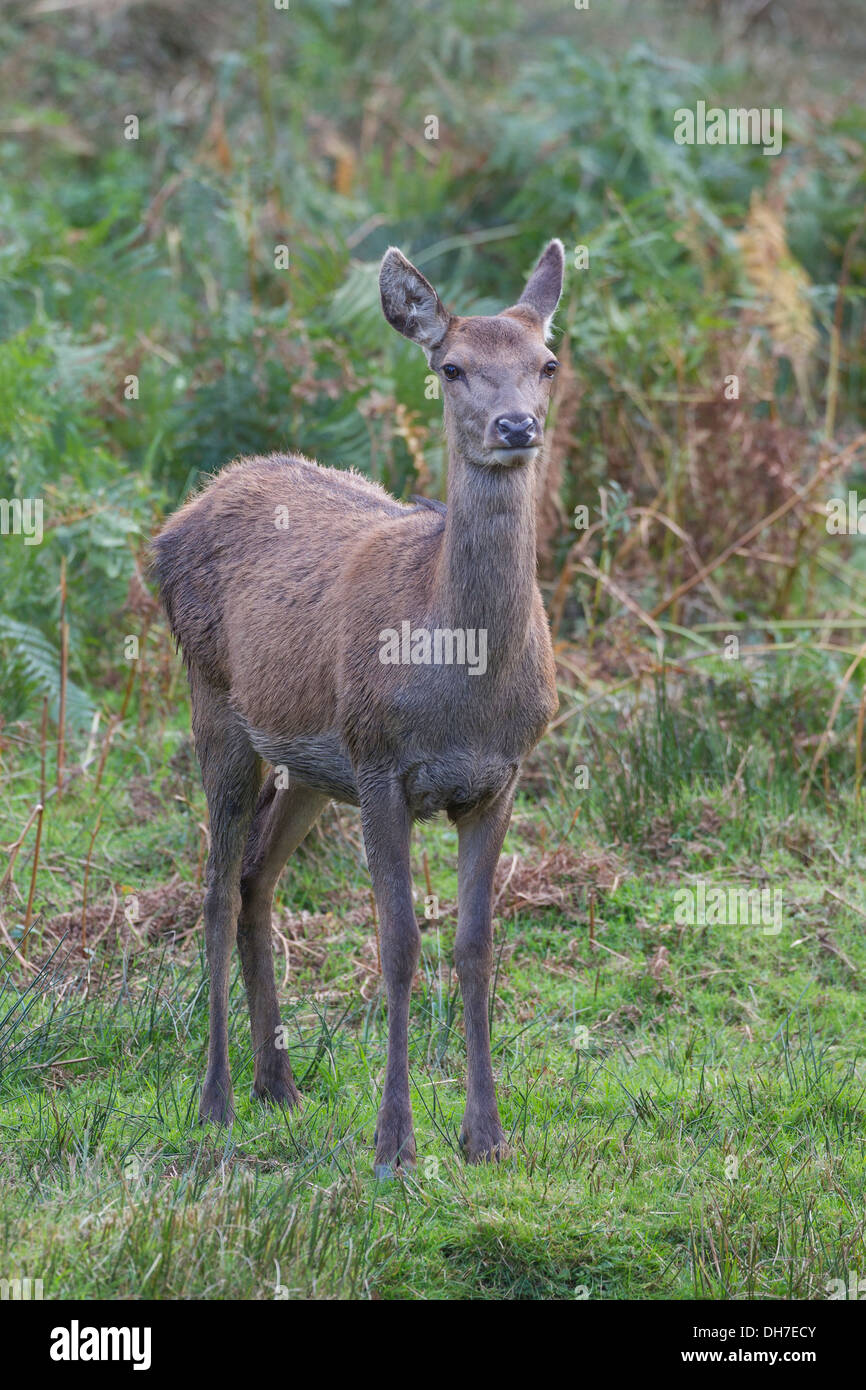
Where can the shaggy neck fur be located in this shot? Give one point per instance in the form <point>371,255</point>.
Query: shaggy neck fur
<point>485,575</point>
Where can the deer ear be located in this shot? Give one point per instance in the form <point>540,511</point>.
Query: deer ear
<point>544,285</point>
<point>410,303</point>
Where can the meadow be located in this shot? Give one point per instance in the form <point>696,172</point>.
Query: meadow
<point>191,220</point>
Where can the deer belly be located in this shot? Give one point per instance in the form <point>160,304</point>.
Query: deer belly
<point>318,760</point>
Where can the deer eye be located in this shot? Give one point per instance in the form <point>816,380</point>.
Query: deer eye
<point>550,367</point>
<point>450,372</point>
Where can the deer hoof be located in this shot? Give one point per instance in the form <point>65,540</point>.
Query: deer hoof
<point>217,1104</point>
<point>395,1145</point>
<point>282,1093</point>
<point>484,1145</point>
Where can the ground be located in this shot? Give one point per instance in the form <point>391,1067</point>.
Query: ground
<point>685,1103</point>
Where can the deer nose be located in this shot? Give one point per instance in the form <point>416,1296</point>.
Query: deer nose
<point>516,431</point>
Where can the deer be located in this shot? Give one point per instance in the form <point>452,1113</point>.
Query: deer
<point>280,579</point>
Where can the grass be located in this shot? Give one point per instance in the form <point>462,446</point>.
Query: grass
<point>685,1104</point>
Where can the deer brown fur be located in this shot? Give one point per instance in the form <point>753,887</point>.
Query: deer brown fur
<point>279,579</point>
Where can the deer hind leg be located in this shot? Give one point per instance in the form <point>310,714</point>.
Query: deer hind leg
<point>231,774</point>
<point>281,820</point>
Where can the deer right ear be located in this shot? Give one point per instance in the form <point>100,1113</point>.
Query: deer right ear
<point>410,303</point>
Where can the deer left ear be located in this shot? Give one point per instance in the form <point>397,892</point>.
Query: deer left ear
<point>544,285</point>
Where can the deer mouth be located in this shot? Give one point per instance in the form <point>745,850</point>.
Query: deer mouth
<point>513,456</point>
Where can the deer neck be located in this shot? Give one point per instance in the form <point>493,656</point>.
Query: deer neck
<point>485,573</point>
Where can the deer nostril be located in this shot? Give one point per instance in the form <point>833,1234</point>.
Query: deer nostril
<point>516,431</point>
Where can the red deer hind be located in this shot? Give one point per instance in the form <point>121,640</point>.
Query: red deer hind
<point>396,657</point>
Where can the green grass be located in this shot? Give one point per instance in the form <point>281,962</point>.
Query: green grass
<point>686,1105</point>
<point>636,1058</point>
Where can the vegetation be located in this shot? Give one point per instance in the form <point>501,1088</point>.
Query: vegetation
<point>685,1100</point>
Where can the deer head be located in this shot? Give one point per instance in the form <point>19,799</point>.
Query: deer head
<point>496,371</point>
